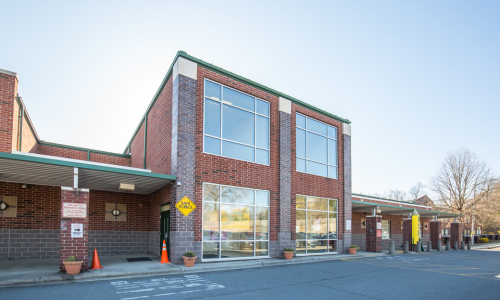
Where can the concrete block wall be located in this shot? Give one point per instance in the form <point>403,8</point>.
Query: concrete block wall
<point>118,242</point>
<point>359,240</point>
<point>20,244</point>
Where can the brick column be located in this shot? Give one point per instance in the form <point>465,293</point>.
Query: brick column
<point>346,240</point>
<point>183,159</point>
<point>284,234</point>
<point>74,246</point>
<point>435,233</point>
<point>407,231</point>
<point>373,240</point>
<point>8,91</point>
<point>455,233</point>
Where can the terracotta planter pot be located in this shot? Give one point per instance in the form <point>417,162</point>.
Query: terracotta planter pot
<point>73,267</point>
<point>189,261</point>
<point>288,254</point>
<point>352,251</point>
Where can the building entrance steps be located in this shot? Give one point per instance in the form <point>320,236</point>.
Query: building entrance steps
<point>47,270</point>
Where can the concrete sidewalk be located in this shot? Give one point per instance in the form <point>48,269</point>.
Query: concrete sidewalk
<point>47,270</point>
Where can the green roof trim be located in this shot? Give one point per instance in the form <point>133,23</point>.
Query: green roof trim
<point>361,195</point>
<point>408,208</point>
<point>72,164</point>
<point>44,143</point>
<point>234,76</point>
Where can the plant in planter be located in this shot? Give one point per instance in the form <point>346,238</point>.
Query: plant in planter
<point>288,252</point>
<point>353,249</point>
<point>189,258</point>
<point>72,265</point>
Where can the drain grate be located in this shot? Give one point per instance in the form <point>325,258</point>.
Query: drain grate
<point>134,259</point>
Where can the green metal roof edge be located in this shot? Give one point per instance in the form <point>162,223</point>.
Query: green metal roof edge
<point>406,208</point>
<point>44,143</point>
<point>361,195</point>
<point>235,77</point>
<point>56,162</point>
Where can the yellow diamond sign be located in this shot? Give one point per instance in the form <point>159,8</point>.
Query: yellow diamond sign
<point>185,206</point>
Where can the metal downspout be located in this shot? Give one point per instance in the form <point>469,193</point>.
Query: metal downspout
<point>145,137</point>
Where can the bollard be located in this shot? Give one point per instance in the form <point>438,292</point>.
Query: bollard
<point>391,248</point>
<point>439,246</point>
<point>468,245</point>
<point>462,245</point>
<point>406,247</point>
<point>419,250</point>
<point>429,246</point>
<point>448,245</point>
<point>455,245</point>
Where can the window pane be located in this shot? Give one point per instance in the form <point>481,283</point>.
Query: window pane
<point>317,225</point>
<point>210,250</point>
<point>332,247</point>
<point>332,205</point>
<point>332,152</point>
<point>300,141</point>
<point>316,169</point>
<point>301,202</point>
<point>317,246</point>
<point>262,198</point>
<point>236,195</point>
<point>212,118</point>
<point>332,172</point>
<point>210,221</point>
<point>315,126</point>
<point>386,229</point>
<point>236,249</point>
<point>315,203</point>
<point>300,247</point>
<point>262,132</point>
<point>262,156</point>
<point>262,107</point>
<point>238,151</point>
<point>212,90</point>
<point>300,224</point>
<point>238,99</point>
<point>332,132</point>
<point>301,165</point>
<point>261,249</point>
<point>212,145</point>
<point>237,222</point>
<point>316,148</point>
<point>301,121</point>
<point>261,223</point>
<point>332,226</point>
<point>211,192</point>
<point>238,125</point>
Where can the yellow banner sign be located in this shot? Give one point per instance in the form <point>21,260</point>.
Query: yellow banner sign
<point>185,206</point>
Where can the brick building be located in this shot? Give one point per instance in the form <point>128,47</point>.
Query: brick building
<point>265,171</point>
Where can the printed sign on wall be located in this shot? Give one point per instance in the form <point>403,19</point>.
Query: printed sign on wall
<point>379,225</point>
<point>348,225</point>
<point>185,206</point>
<point>379,233</point>
<point>76,230</point>
<point>74,210</point>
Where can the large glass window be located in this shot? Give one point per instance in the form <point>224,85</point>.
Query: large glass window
<point>236,125</point>
<point>316,225</point>
<point>316,147</point>
<point>235,222</point>
<point>386,229</point>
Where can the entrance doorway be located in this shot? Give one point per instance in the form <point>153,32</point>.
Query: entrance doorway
<point>165,226</point>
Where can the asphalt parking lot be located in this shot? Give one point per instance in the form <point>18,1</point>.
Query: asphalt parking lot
<point>459,274</point>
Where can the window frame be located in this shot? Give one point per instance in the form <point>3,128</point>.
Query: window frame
<point>220,224</point>
<point>221,102</point>
<point>388,222</point>
<point>336,139</point>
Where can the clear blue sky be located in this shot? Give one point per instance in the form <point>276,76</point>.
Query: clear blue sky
<point>416,78</point>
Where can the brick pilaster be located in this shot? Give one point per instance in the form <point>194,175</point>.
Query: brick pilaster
<point>455,233</point>
<point>435,233</point>
<point>407,231</point>
<point>373,235</point>
<point>8,91</point>
<point>74,246</point>
<point>346,242</point>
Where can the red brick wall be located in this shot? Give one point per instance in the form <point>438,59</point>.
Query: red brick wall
<point>8,91</point>
<point>110,159</point>
<point>356,223</point>
<point>83,155</point>
<point>222,170</point>
<point>313,185</point>
<point>159,149</point>
<point>137,215</point>
<point>38,206</point>
<point>137,149</point>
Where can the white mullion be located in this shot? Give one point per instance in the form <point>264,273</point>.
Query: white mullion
<point>254,220</point>
<point>221,119</point>
<point>220,221</point>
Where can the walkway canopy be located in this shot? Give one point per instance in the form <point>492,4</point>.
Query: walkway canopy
<point>30,168</point>
<point>400,210</point>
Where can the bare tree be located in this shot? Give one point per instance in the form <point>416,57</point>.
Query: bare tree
<point>417,190</point>
<point>395,195</point>
<point>461,182</point>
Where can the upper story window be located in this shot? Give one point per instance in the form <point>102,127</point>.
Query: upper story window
<point>236,125</point>
<point>316,147</point>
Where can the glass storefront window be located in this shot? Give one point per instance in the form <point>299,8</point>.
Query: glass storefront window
<point>235,222</point>
<point>316,225</point>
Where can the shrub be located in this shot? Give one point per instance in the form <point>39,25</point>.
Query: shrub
<point>288,250</point>
<point>72,258</point>
<point>189,254</point>
<point>354,247</point>
<point>484,240</point>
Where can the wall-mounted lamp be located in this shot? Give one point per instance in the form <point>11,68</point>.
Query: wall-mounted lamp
<point>426,226</point>
<point>3,205</point>
<point>116,212</point>
<point>178,183</point>
<point>364,223</point>
<point>24,186</point>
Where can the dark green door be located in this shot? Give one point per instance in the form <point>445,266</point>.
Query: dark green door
<point>165,229</point>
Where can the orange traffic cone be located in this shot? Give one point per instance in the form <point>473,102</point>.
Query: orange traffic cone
<point>95,262</point>
<point>164,254</point>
